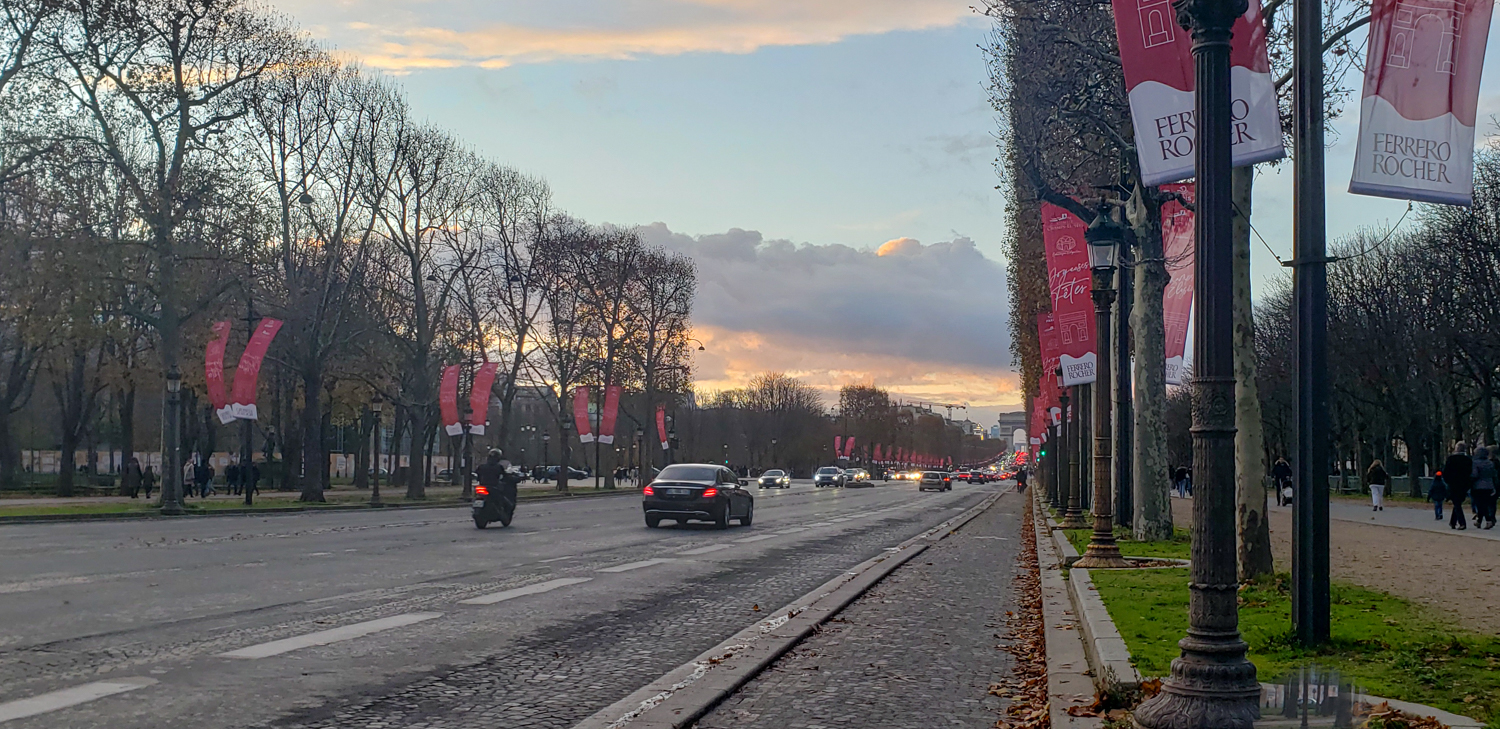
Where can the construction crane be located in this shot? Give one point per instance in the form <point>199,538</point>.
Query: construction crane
<point>950,406</point>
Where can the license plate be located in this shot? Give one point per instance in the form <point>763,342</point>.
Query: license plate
<point>479,503</point>
<point>677,492</point>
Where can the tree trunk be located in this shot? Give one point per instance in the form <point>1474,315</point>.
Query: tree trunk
<point>1253,531</point>
<point>362,451</point>
<point>312,437</point>
<point>71,412</point>
<point>125,411</point>
<point>10,451</point>
<point>1415,460</point>
<point>1153,499</point>
<point>415,483</point>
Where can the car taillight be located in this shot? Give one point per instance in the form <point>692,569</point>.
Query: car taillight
<point>709,493</point>
<point>649,491</point>
<point>481,491</point>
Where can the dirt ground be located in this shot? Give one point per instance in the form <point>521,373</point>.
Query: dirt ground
<point>1459,576</point>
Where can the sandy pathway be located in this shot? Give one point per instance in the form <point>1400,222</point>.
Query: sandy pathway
<point>1459,576</point>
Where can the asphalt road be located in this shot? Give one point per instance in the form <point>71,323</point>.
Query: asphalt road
<point>405,619</point>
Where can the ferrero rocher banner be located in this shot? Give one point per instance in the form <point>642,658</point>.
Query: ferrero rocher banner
<point>1157,55</point>
<point>1072,302</point>
<point>1177,301</point>
<point>1416,124</point>
<point>448,401</point>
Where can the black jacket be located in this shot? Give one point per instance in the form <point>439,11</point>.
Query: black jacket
<point>1458,472</point>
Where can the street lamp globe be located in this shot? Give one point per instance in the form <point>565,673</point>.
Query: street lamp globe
<point>376,403</point>
<point>1103,237</point>
<point>174,380</point>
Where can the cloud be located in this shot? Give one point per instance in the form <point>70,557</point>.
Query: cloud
<point>925,321</point>
<point>447,33</point>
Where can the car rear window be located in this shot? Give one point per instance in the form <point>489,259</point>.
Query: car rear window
<point>931,474</point>
<point>686,472</point>
<point>828,470</point>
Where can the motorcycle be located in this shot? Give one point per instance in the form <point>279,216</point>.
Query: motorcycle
<point>499,504</point>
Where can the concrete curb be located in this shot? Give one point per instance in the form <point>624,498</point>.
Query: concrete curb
<point>285,510</point>
<point>1107,652</point>
<point>686,693</point>
<point>1069,679</point>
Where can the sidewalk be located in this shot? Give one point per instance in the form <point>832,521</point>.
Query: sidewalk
<point>920,649</point>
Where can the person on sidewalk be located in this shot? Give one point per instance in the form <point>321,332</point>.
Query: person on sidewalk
<point>148,480</point>
<point>1458,473</point>
<point>189,481</point>
<point>1184,480</point>
<point>130,478</point>
<point>232,478</point>
<point>1486,478</point>
<point>1021,480</point>
<point>1376,477</point>
<point>1437,493</point>
<point>1281,475</point>
<point>250,477</point>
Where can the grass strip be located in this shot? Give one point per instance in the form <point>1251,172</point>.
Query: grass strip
<point>1386,645</point>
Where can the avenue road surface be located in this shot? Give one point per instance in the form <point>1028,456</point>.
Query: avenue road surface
<point>406,618</point>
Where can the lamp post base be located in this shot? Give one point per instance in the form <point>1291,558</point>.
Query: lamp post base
<point>1102,554</point>
<point>1073,519</point>
<point>1212,686</point>
<point>172,510</point>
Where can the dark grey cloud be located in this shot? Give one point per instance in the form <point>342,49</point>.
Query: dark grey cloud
<point>942,302</point>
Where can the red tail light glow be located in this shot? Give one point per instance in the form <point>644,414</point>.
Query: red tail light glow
<point>710,492</point>
<point>481,491</point>
<point>649,491</point>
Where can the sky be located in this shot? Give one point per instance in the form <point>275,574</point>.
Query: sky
<point>829,164</point>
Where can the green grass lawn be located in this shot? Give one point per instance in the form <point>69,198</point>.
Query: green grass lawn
<point>1178,548</point>
<point>1388,646</point>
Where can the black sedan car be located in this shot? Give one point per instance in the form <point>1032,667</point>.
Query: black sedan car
<point>775,479</point>
<point>686,492</point>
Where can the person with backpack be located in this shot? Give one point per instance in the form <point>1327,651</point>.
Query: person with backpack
<point>1486,478</point>
<point>1281,475</point>
<point>1437,493</point>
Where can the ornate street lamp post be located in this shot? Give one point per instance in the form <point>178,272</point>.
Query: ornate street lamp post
<point>171,467</point>
<point>1073,517</point>
<point>1103,236</point>
<point>1212,685</point>
<point>1064,428</point>
<point>546,449</point>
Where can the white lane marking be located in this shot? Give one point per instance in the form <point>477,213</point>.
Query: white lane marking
<point>635,565</point>
<point>709,548</point>
<point>820,524</point>
<point>557,559</point>
<point>842,519</point>
<point>324,637</point>
<point>536,589</point>
<point>756,538</point>
<point>52,701</point>
<point>321,554</point>
<point>793,530</point>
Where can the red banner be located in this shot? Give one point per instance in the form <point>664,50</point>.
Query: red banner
<point>876,455</point>
<point>581,415</point>
<point>838,446</point>
<point>448,401</point>
<point>213,371</point>
<point>1157,57</point>
<point>1177,301</point>
<point>1421,97</point>
<point>479,397</point>
<point>610,414</point>
<point>849,447</point>
<point>661,426</point>
<point>1072,304</point>
<point>247,376</point>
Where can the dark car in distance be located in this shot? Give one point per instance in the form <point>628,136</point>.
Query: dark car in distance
<point>775,479</point>
<point>686,492</point>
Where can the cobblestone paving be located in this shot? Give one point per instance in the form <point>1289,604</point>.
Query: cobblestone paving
<point>919,650</point>
<point>557,678</point>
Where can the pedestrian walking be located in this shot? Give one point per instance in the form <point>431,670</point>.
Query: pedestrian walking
<point>1021,480</point>
<point>1483,489</point>
<point>130,478</point>
<point>1437,493</point>
<point>148,480</point>
<point>1184,480</point>
<point>190,476</point>
<point>232,478</point>
<point>1458,472</point>
<point>250,476</point>
<point>1281,476</point>
<point>1376,477</point>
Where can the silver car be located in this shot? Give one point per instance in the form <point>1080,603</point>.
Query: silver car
<point>832,476</point>
<point>775,479</point>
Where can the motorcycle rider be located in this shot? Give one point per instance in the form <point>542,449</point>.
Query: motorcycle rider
<point>495,475</point>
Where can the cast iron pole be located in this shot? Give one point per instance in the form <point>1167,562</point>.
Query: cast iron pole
<point>1310,598</point>
<point>1073,517</point>
<point>1102,551</point>
<point>1212,684</point>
